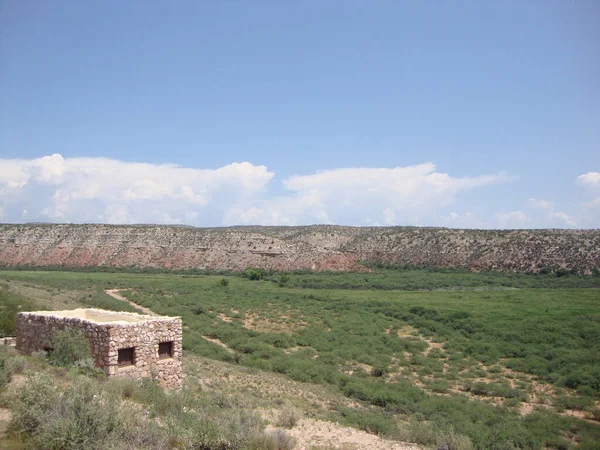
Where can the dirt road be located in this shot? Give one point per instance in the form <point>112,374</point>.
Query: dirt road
<point>114,293</point>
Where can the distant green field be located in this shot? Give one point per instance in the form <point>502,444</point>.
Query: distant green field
<point>441,346</point>
<point>406,278</point>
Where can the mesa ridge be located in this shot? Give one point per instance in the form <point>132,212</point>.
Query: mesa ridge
<point>316,247</point>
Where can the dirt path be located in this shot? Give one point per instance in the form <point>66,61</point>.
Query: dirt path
<point>311,432</point>
<point>219,343</point>
<point>5,417</point>
<point>114,293</point>
<point>16,382</point>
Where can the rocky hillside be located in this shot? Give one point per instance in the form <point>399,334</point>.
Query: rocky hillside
<point>319,247</point>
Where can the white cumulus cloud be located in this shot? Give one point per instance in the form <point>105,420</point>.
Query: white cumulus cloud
<point>595,203</point>
<point>540,204</point>
<point>512,219</point>
<point>466,220</point>
<point>590,179</point>
<point>359,196</point>
<point>58,189</point>
<point>563,219</point>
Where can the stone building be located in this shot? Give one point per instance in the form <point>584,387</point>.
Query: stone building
<point>122,344</point>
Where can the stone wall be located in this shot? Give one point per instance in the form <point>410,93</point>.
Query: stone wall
<point>143,334</point>
<point>145,338</point>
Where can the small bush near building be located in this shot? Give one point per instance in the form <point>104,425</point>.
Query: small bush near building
<point>4,374</point>
<point>68,348</point>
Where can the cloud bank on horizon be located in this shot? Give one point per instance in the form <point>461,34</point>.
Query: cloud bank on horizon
<point>101,190</point>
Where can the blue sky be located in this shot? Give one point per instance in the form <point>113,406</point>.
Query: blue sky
<point>461,114</point>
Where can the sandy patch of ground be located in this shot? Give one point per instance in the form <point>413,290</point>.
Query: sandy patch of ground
<point>290,350</point>
<point>355,366</point>
<point>5,417</point>
<point>432,345</point>
<point>312,432</point>
<point>17,381</point>
<point>527,408</point>
<point>579,414</point>
<point>225,318</point>
<point>406,331</point>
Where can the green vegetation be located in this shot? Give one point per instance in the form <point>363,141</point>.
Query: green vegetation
<point>69,411</point>
<point>10,305</point>
<point>71,349</point>
<point>410,278</point>
<point>10,364</point>
<point>435,357</point>
<point>4,372</point>
<point>254,273</point>
<point>382,277</point>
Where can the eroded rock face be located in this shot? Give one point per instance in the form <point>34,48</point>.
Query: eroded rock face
<point>317,247</point>
<point>122,344</point>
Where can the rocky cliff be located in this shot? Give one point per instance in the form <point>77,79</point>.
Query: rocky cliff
<point>319,247</point>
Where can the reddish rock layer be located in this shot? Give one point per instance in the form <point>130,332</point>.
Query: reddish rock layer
<point>319,247</point>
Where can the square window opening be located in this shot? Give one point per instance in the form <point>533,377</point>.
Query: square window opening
<point>126,356</point>
<point>165,350</point>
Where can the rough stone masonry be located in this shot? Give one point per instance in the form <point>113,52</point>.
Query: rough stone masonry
<point>122,344</point>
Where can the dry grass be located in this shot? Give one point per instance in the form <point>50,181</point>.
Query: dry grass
<point>265,389</point>
<point>51,298</point>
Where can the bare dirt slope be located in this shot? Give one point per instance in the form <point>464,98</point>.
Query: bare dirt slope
<point>319,247</point>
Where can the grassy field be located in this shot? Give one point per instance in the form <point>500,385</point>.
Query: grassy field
<point>507,361</point>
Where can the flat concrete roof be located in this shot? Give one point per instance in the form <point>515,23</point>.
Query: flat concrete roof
<point>100,316</point>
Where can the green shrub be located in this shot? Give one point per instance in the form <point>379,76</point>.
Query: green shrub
<point>68,348</point>
<point>151,394</point>
<point>372,422</point>
<point>431,435</point>
<point>90,413</point>
<point>83,415</point>
<point>254,273</point>
<point>288,417</point>
<point>594,411</point>
<point>16,364</point>
<point>4,371</point>
<point>512,402</point>
<point>585,390</point>
<point>275,440</point>
<point>122,387</point>
<point>11,363</point>
<point>439,386</point>
<point>377,371</point>
<point>10,305</point>
<point>197,310</point>
<point>284,279</point>
<point>34,403</point>
<point>576,403</point>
